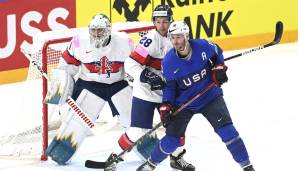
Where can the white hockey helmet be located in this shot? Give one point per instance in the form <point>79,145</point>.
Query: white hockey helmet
<point>100,30</point>
<point>179,27</point>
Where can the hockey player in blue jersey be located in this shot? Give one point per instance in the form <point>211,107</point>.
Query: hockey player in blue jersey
<point>190,68</point>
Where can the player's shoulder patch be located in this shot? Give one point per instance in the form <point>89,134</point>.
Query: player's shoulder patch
<point>78,39</point>
<point>214,46</point>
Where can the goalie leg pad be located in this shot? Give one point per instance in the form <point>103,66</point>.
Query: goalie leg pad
<point>75,127</point>
<point>61,150</point>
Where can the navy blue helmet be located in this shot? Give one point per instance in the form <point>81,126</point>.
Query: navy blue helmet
<point>163,11</point>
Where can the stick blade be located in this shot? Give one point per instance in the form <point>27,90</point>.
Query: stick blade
<point>278,32</point>
<point>95,164</point>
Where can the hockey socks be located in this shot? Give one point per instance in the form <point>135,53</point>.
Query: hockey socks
<point>167,145</point>
<point>234,143</point>
<point>143,148</point>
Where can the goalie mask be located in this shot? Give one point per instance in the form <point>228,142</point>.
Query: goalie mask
<point>163,11</point>
<point>100,30</point>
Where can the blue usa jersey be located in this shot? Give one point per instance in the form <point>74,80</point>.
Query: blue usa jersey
<point>187,77</point>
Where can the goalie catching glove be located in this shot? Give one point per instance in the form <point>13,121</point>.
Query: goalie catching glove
<point>219,75</point>
<point>151,78</point>
<point>166,112</point>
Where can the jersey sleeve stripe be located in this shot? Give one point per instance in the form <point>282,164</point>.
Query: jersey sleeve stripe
<point>139,58</point>
<point>70,59</point>
<point>141,50</point>
<point>148,61</point>
<point>154,63</point>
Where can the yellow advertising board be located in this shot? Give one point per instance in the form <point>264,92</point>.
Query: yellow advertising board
<point>87,9</point>
<point>231,23</point>
<point>137,10</point>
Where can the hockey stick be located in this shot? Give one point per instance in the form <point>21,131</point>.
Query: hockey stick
<point>25,50</point>
<point>101,165</point>
<point>276,40</point>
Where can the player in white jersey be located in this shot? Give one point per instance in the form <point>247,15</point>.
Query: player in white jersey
<point>96,59</point>
<point>144,65</point>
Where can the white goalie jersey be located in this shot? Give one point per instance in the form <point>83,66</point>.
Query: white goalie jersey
<point>104,64</point>
<point>149,53</point>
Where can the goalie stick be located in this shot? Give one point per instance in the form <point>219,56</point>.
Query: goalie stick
<point>276,40</point>
<point>25,50</point>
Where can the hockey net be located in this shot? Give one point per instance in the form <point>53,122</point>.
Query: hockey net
<point>44,54</point>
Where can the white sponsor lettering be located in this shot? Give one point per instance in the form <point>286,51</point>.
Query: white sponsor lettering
<point>26,20</point>
<point>80,113</point>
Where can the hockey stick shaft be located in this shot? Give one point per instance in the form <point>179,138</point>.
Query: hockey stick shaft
<point>96,164</point>
<point>276,40</point>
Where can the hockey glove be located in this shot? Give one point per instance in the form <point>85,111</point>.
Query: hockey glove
<point>154,80</point>
<point>166,113</point>
<point>219,75</point>
<point>61,86</point>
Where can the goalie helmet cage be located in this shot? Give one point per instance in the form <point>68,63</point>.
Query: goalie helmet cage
<point>46,52</point>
